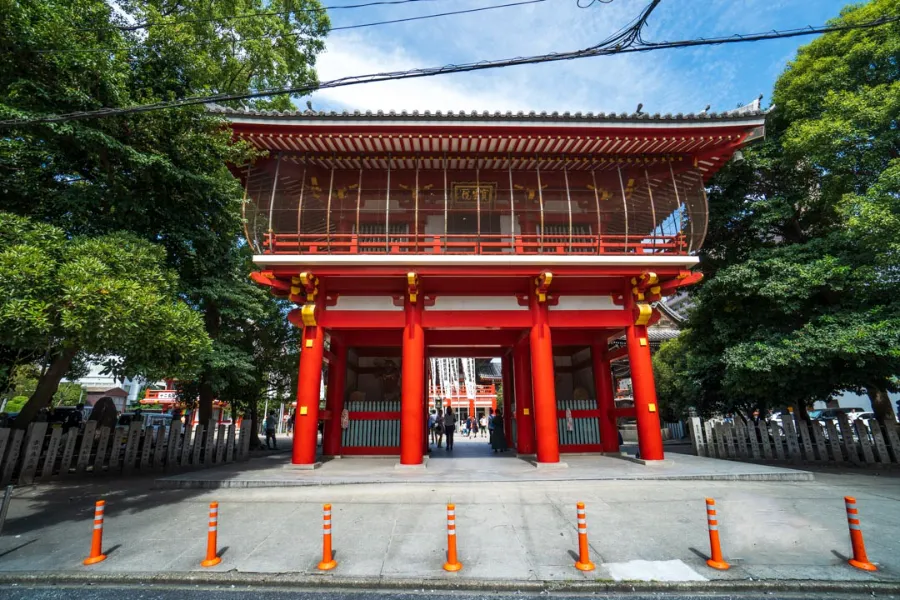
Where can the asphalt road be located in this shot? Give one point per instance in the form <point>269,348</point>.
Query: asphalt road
<point>239,593</point>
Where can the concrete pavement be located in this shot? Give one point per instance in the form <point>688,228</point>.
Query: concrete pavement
<point>510,531</point>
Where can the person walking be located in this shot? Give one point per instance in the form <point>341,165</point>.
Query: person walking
<point>490,425</point>
<point>449,427</point>
<point>438,428</point>
<point>271,423</point>
<point>470,426</point>
<point>432,417</point>
<point>483,426</point>
<point>475,427</point>
<point>498,436</point>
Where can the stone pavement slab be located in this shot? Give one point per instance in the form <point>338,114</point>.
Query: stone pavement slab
<point>472,461</point>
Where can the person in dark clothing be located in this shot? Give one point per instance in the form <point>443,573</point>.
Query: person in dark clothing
<point>498,436</point>
<point>449,427</point>
<point>75,418</point>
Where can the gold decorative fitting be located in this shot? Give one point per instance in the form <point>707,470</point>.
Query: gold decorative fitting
<point>644,314</point>
<point>308,315</point>
<point>542,284</point>
<point>306,283</point>
<point>412,284</point>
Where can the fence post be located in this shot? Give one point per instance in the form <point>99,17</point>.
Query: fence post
<point>862,433</point>
<point>198,446</point>
<point>805,439</point>
<point>159,452</point>
<point>52,453</point>
<point>229,444</point>
<point>102,445</point>
<point>764,439</point>
<point>741,433</point>
<point>131,446</point>
<point>790,434</point>
<point>245,439</point>
<point>777,440</point>
<point>220,445</point>
<point>209,443</point>
<point>12,456</point>
<point>893,441</point>
<point>697,437</point>
<point>146,448</point>
<point>821,447</point>
<point>33,446</point>
<point>186,444</point>
<point>7,498</point>
<point>87,446</point>
<point>118,434</point>
<point>172,445</point>
<point>847,438</point>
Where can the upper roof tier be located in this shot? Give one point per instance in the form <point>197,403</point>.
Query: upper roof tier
<point>502,140</point>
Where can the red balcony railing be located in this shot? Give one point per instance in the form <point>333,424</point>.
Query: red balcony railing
<point>485,244</point>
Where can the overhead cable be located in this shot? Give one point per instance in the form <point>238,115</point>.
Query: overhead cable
<point>606,50</point>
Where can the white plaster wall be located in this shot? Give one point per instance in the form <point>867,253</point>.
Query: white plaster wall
<point>486,303</point>
<point>586,303</point>
<point>364,303</point>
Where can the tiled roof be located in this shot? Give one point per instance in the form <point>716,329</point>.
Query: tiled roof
<point>750,112</point>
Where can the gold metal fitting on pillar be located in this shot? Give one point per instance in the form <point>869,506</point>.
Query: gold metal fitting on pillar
<point>412,284</point>
<point>308,315</point>
<point>306,284</point>
<point>644,312</point>
<point>542,284</point>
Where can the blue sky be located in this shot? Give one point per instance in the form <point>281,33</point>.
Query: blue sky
<point>664,81</point>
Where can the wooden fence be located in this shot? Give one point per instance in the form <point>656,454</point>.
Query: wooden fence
<point>42,453</point>
<point>856,442</point>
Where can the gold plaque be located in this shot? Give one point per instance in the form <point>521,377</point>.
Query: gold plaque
<point>465,194</point>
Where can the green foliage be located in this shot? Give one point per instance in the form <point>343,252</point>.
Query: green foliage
<point>106,296</point>
<point>163,177</point>
<point>674,389</point>
<point>800,296</point>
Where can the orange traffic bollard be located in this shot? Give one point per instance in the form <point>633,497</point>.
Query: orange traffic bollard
<point>97,538</point>
<point>328,561</point>
<point>584,560</point>
<point>452,563</point>
<point>715,550</point>
<point>212,554</point>
<point>859,560</point>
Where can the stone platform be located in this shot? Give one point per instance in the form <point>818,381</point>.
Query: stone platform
<point>472,461</point>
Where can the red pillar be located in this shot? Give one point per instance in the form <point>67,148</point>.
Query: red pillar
<point>524,404</point>
<point>643,386</point>
<point>609,431</point>
<point>508,395</point>
<point>306,427</point>
<point>543,385</point>
<point>412,403</point>
<point>334,398</point>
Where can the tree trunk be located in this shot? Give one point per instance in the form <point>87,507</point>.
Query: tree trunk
<point>801,411</point>
<point>255,442</point>
<point>881,404</point>
<point>46,387</point>
<point>212,319</point>
<point>206,401</point>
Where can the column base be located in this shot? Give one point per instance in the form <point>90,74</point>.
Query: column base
<point>545,466</point>
<point>665,462</point>
<point>420,467</point>
<point>306,467</point>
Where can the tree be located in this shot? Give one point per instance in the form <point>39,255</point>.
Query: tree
<point>161,176</point>
<point>674,388</point>
<point>107,296</point>
<point>799,299</point>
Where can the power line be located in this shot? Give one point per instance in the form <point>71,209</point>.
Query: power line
<point>292,35</point>
<point>604,49</point>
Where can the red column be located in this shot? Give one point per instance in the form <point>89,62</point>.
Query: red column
<point>306,427</point>
<point>644,387</point>
<point>609,432</point>
<point>524,404</point>
<point>334,398</point>
<point>412,403</point>
<point>543,385</point>
<point>508,395</point>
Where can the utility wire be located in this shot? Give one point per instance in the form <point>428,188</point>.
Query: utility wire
<point>599,50</point>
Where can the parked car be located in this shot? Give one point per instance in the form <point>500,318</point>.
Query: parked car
<point>831,414</point>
